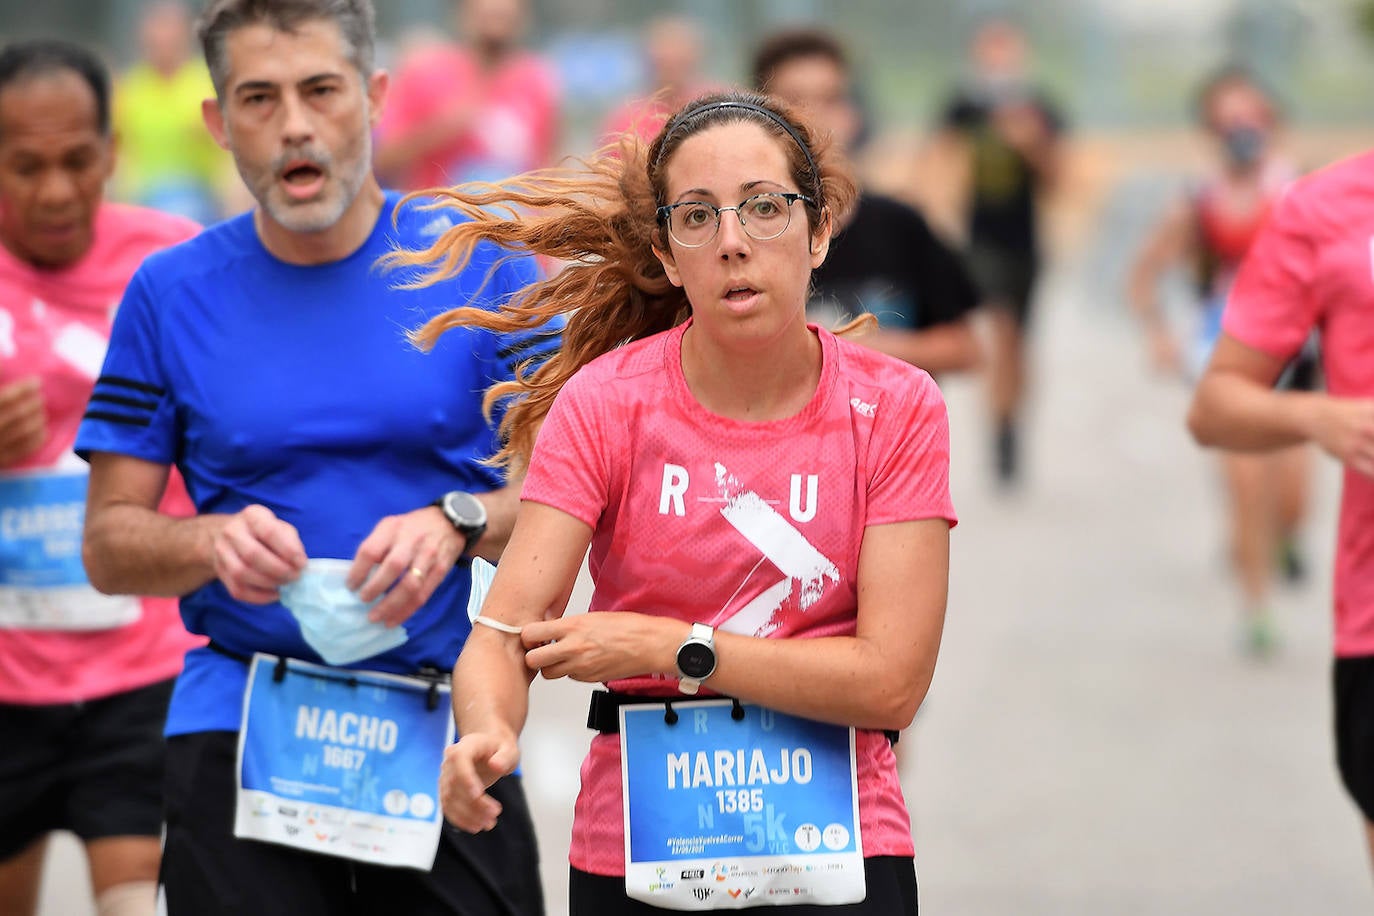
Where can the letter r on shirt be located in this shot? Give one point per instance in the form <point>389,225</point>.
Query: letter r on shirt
<point>674,486</point>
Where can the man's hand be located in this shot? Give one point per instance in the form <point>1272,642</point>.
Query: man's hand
<point>1344,427</point>
<point>255,553</point>
<point>405,556</point>
<point>23,422</point>
<point>1022,127</point>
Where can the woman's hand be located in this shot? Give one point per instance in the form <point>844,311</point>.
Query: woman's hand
<point>605,646</point>
<point>470,767</point>
<point>1344,427</point>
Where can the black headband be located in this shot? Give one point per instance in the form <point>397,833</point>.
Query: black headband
<point>747,106</point>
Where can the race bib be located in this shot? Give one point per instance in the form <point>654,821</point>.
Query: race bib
<point>43,584</point>
<point>342,762</point>
<point>733,806</point>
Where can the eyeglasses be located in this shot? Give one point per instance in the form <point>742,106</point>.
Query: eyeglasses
<point>693,223</point>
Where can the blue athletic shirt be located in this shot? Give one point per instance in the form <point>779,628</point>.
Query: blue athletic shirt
<point>294,387</point>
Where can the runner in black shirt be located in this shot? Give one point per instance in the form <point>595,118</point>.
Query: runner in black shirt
<point>885,260</point>
<point>1012,133</point>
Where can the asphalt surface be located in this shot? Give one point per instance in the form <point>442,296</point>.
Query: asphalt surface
<point>1094,742</point>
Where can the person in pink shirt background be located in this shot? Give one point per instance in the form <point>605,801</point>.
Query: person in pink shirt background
<point>672,57</point>
<point>766,504</point>
<point>1209,228</point>
<point>1310,269</point>
<point>84,678</point>
<point>481,111</point>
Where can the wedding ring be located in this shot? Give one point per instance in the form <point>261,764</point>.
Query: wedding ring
<point>417,572</point>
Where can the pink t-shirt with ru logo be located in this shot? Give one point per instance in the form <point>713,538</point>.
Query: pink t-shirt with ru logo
<point>754,528</point>
<point>1312,267</point>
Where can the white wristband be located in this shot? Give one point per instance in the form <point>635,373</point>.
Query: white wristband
<point>496,625</point>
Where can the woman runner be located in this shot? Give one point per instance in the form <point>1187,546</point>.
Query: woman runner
<point>767,509</point>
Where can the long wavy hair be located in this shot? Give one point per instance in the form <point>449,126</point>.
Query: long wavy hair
<point>599,218</point>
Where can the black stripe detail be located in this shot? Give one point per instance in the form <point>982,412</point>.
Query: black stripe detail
<point>130,383</point>
<point>515,349</point>
<point>532,350</point>
<point>117,418</point>
<point>124,402</point>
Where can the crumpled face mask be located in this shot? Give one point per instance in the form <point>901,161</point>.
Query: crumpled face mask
<point>332,619</point>
<point>482,574</point>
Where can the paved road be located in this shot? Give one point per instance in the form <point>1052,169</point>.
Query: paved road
<point>1093,743</point>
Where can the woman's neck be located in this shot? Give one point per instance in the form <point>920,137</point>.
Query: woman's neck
<point>753,385</point>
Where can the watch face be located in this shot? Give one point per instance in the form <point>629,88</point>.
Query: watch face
<point>696,660</point>
<point>464,510</point>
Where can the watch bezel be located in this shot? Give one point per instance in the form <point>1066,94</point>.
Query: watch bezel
<point>459,519</point>
<point>471,530</point>
<point>697,643</point>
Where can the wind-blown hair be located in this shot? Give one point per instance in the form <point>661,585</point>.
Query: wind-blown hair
<point>599,217</point>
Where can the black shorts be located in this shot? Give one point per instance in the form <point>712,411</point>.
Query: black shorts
<point>207,871</point>
<point>1005,279</point>
<point>891,892</point>
<point>1353,681</point>
<point>94,768</point>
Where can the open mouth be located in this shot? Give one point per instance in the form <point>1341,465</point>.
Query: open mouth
<point>303,179</point>
<point>740,294</point>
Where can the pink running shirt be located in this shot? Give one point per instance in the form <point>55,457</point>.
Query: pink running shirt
<point>752,527</point>
<point>55,324</point>
<point>515,115</point>
<point>1313,267</point>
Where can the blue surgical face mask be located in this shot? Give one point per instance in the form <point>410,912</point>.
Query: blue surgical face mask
<point>1244,145</point>
<point>332,619</point>
<point>482,574</point>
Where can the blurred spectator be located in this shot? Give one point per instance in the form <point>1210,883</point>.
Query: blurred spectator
<point>478,112</point>
<point>1012,133</point>
<point>168,160</point>
<point>672,52</point>
<point>85,678</point>
<point>1212,227</point>
<point>884,260</point>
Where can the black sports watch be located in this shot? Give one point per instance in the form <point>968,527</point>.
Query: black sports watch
<point>467,515</point>
<point>696,658</point>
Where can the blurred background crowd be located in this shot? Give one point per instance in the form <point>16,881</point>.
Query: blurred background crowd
<point>1122,72</point>
<point>1093,742</point>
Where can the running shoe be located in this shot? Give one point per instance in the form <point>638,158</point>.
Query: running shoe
<point>1006,451</point>
<point>1291,562</point>
<point>1259,639</point>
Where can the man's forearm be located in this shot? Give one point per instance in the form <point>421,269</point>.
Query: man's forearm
<point>502,506</point>
<point>131,550</point>
<point>1233,412</point>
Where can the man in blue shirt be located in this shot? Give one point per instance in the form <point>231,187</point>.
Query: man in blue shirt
<point>267,360</point>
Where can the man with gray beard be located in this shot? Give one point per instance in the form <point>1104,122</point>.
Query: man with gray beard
<point>342,497</point>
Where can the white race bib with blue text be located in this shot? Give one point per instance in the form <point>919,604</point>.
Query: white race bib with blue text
<point>43,584</point>
<point>342,762</point>
<point>731,807</point>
